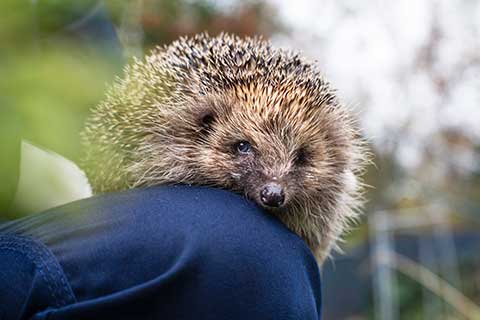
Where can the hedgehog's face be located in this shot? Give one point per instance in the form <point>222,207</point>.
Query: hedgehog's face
<point>279,156</point>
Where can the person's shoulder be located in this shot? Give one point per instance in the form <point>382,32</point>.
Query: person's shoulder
<point>210,223</point>
<point>239,232</point>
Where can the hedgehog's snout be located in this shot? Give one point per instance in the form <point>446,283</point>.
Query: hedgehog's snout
<point>272,195</point>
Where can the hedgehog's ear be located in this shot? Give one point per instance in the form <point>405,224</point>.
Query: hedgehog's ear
<point>206,119</point>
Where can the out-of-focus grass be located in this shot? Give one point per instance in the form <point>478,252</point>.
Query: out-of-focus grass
<point>50,78</point>
<point>51,93</point>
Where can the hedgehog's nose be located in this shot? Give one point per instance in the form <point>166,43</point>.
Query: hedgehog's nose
<point>272,195</point>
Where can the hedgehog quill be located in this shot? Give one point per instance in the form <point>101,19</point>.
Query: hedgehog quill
<point>237,114</point>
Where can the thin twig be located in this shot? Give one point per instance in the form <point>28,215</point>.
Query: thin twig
<point>461,303</point>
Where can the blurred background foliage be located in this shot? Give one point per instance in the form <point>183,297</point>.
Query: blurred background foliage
<point>411,69</point>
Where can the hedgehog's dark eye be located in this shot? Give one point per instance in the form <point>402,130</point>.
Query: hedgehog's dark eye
<point>301,156</point>
<point>243,147</point>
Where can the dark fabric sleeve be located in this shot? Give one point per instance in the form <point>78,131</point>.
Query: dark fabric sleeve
<point>170,253</point>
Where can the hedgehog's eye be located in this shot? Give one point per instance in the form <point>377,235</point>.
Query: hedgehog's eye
<point>301,156</point>
<point>243,147</point>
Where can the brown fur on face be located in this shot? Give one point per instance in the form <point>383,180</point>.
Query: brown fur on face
<point>179,116</point>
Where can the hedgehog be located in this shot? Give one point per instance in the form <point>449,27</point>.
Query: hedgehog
<point>237,114</point>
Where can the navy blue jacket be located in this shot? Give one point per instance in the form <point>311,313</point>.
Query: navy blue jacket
<point>161,253</point>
